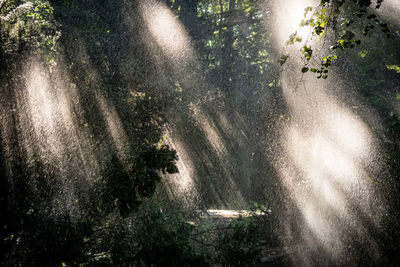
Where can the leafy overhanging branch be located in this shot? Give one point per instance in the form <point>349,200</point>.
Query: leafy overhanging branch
<point>332,16</point>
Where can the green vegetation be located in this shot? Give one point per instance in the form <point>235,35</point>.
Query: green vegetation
<point>344,24</point>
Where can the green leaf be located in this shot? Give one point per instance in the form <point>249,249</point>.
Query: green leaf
<point>307,51</point>
<point>304,69</point>
<point>283,59</point>
<point>363,53</point>
<point>396,68</point>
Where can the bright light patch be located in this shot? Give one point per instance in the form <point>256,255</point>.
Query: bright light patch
<point>289,15</point>
<point>40,98</point>
<point>48,121</point>
<point>210,130</point>
<point>43,109</point>
<point>114,125</point>
<point>329,151</point>
<point>166,29</point>
<point>349,131</point>
<point>331,160</point>
<point>333,197</point>
<point>389,11</point>
<point>322,227</point>
<point>182,181</point>
<point>232,213</point>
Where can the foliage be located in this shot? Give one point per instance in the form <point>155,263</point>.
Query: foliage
<point>396,68</point>
<point>29,26</point>
<point>235,45</point>
<point>163,238</point>
<point>31,218</point>
<point>339,22</point>
<point>126,184</point>
<point>160,234</point>
<point>240,244</point>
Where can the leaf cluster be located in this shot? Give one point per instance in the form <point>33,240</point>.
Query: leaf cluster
<point>240,244</point>
<point>127,184</point>
<point>328,16</point>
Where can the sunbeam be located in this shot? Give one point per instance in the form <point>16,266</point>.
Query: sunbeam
<point>329,153</point>
<point>166,30</point>
<point>290,13</point>
<point>329,149</point>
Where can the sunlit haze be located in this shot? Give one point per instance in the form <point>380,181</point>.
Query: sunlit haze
<point>166,29</point>
<point>290,13</point>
